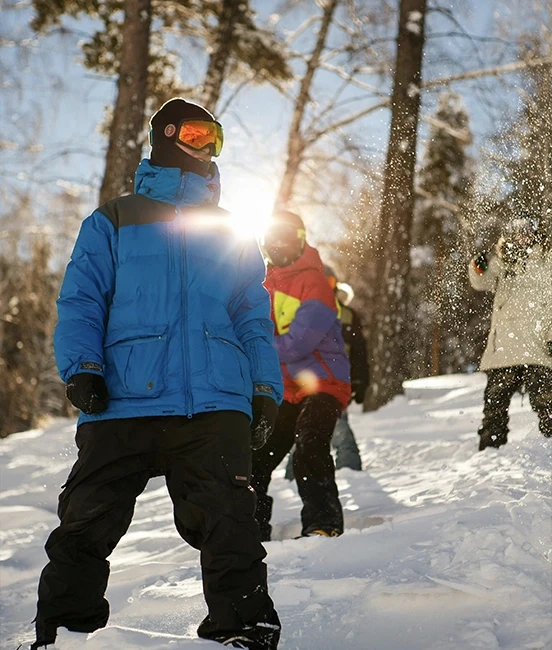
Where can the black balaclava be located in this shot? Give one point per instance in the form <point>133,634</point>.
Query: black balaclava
<point>290,247</point>
<point>164,151</point>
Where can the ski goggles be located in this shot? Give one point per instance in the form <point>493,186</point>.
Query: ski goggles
<point>332,281</point>
<point>198,134</point>
<point>280,234</point>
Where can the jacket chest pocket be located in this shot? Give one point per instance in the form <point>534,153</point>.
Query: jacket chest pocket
<point>228,365</point>
<point>136,365</point>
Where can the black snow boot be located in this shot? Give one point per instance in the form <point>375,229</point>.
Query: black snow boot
<point>45,634</point>
<point>261,636</point>
<point>488,438</point>
<point>321,531</point>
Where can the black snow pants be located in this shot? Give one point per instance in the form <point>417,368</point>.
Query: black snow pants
<point>309,425</point>
<point>502,383</point>
<point>206,461</point>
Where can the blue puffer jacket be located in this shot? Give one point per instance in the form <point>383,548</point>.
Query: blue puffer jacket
<point>168,304</point>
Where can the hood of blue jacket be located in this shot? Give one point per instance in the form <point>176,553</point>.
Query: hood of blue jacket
<point>170,185</point>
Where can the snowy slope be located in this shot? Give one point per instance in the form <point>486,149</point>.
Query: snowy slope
<point>445,548</point>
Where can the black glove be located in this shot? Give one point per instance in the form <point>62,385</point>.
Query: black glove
<point>87,392</point>
<point>481,263</point>
<point>265,411</point>
<point>358,391</point>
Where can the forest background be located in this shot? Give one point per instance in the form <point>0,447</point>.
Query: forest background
<point>405,132</point>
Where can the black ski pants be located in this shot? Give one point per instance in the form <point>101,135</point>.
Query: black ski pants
<point>206,461</point>
<point>309,425</point>
<point>502,383</point>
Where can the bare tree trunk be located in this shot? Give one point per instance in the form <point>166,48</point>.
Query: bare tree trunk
<point>296,143</point>
<point>393,251</point>
<point>218,61</point>
<point>124,150</point>
<point>438,293</point>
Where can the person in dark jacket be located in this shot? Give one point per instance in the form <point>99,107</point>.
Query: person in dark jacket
<point>343,439</point>
<point>316,375</point>
<point>165,343</point>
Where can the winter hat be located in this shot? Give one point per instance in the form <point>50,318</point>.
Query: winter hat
<point>285,216</point>
<point>164,125</point>
<point>284,238</point>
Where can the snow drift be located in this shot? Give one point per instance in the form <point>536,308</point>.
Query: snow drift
<point>445,548</point>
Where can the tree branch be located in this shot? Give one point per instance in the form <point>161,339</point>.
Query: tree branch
<point>303,27</point>
<point>349,77</point>
<point>515,66</point>
<point>462,136</point>
<point>344,122</point>
<point>436,200</point>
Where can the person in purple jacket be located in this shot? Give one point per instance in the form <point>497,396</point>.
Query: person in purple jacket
<point>316,374</point>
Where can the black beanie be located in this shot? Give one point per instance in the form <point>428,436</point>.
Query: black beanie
<point>164,152</point>
<point>284,216</point>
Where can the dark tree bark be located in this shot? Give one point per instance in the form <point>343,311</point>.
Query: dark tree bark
<point>219,59</point>
<point>296,143</point>
<point>391,297</point>
<point>436,330</point>
<point>124,150</point>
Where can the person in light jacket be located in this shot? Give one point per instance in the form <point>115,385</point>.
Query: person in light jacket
<point>518,355</point>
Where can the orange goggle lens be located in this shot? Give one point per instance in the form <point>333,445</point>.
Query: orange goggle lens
<point>198,134</point>
<point>332,281</point>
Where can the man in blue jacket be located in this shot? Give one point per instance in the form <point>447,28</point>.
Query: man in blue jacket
<point>165,342</point>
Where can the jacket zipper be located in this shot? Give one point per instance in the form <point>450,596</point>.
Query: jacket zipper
<point>138,340</point>
<point>184,302</point>
<point>185,333</point>
<point>170,232</point>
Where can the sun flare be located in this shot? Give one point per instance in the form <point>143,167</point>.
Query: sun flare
<point>250,209</point>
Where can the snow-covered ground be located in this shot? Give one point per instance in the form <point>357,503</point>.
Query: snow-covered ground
<point>445,548</point>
